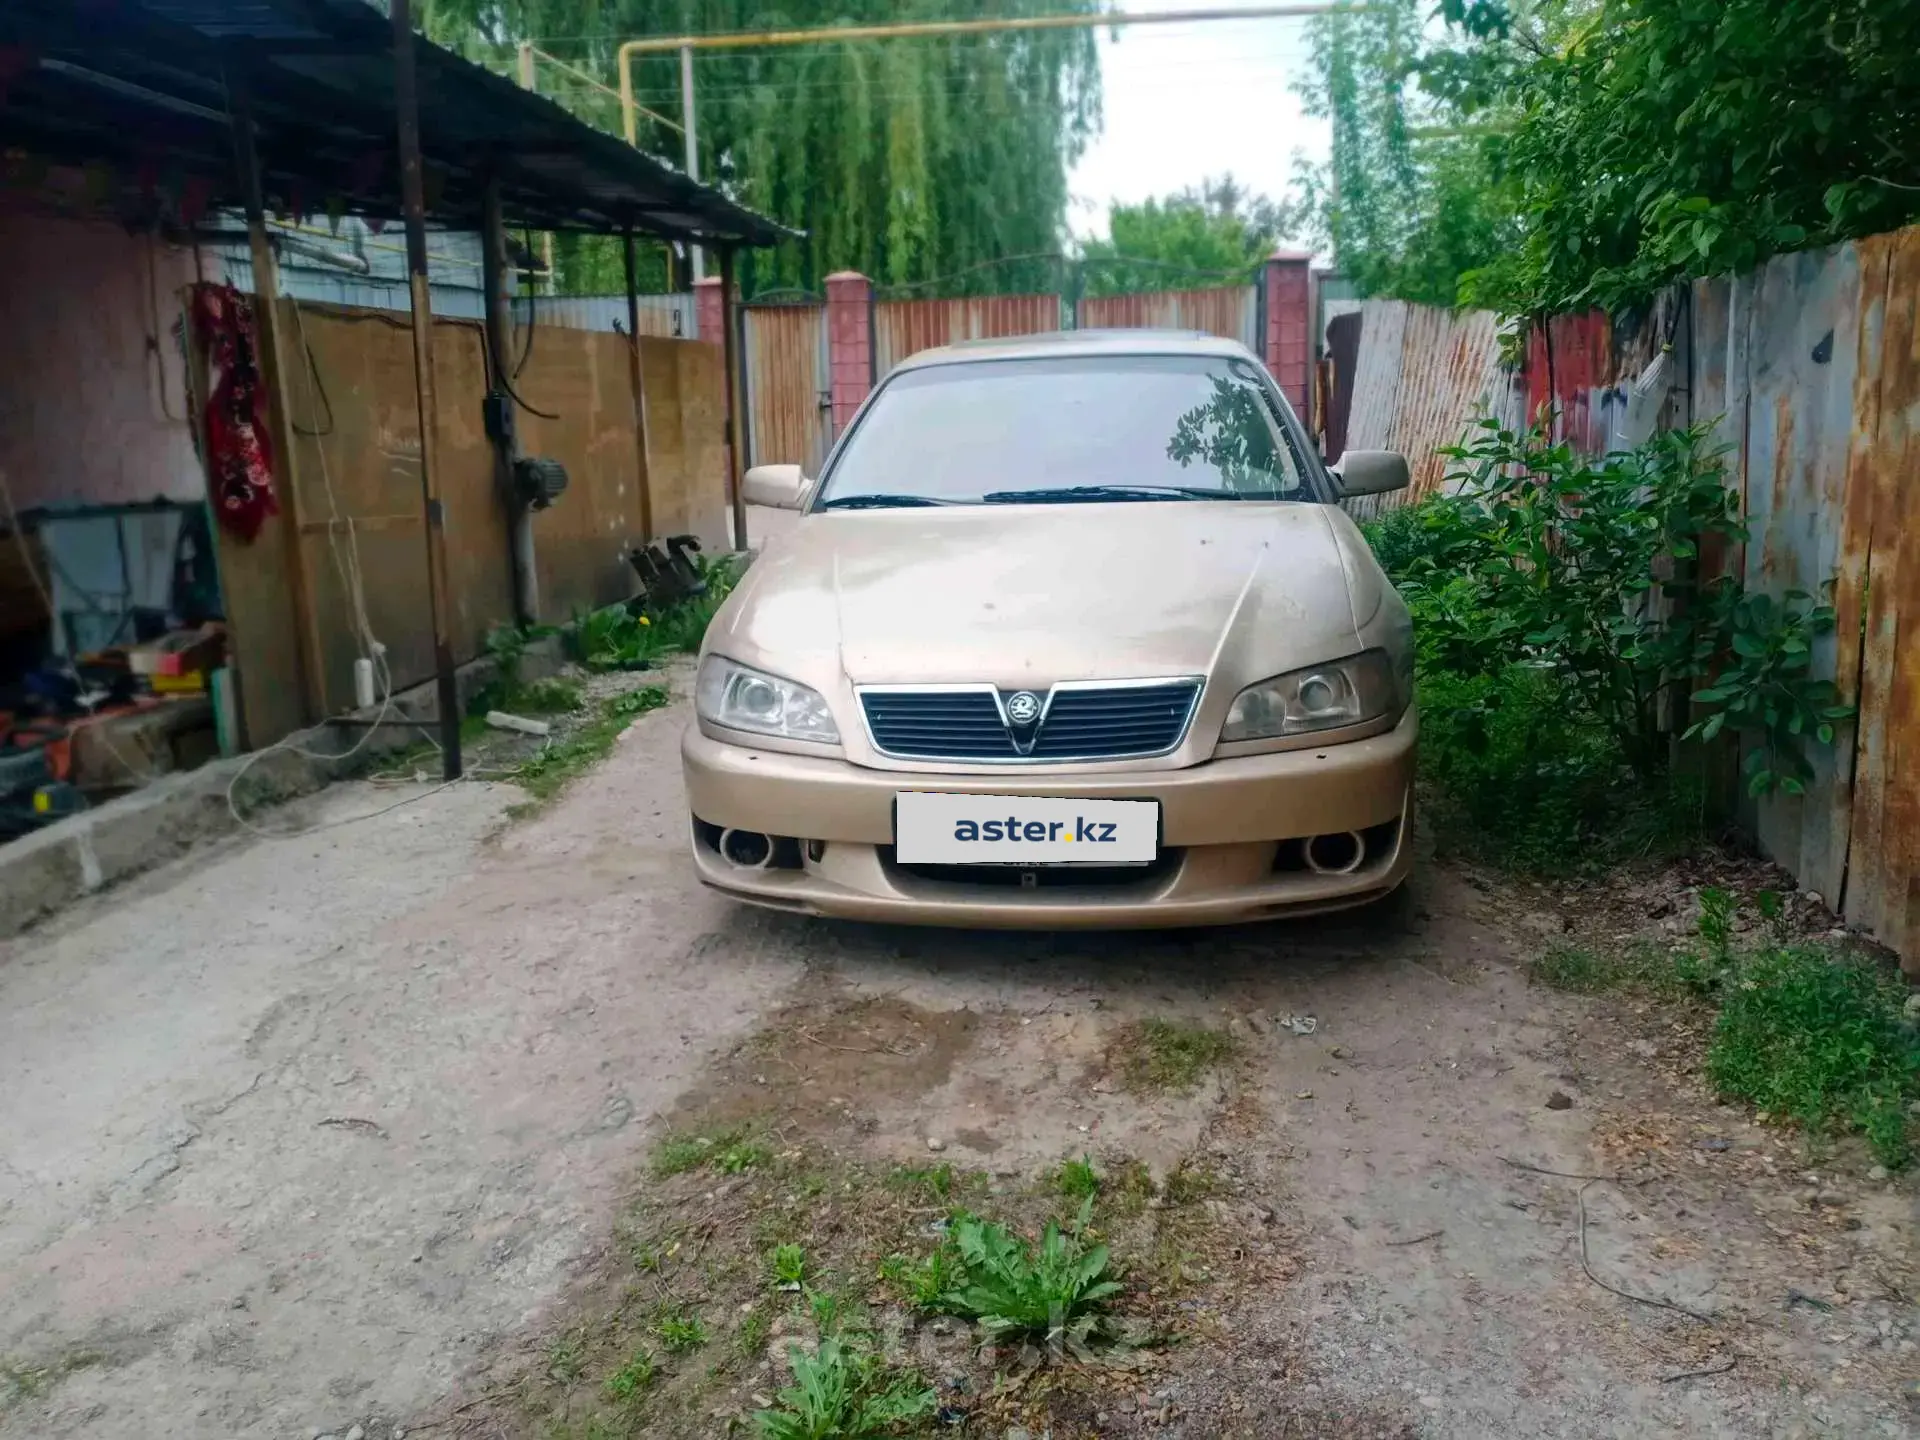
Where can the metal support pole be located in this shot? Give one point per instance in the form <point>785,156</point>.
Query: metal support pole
<point>501,421</point>
<point>639,394</point>
<point>527,82</point>
<point>730,358</point>
<point>688,122</point>
<point>271,344</point>
<point>413,199</point>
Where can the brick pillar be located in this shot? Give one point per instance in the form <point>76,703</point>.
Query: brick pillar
<point>1287,346</point>
<point>706,309</point>
<point>849,343</point>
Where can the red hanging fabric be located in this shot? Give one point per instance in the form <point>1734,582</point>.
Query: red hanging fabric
<point>239,453</point>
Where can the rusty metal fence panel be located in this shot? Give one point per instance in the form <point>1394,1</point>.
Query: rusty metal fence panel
<point>1810,368</point>
<point>1877,596</point>
<point>789,400</point>
<point>1230,311</point>
<point>1422,377</point>
<point>903,327</point>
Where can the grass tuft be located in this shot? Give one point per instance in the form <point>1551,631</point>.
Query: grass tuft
<point>1076,1180</point>
<point>549,772</point>
<point>679,1328</point>
<point>1822,1039</point>
<point>632,1378</point>
<point>1166,1055</point>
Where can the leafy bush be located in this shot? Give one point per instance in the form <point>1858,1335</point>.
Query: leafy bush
<point>1822,1039</point>
<point>1056,1292</point>
<point>1589,572</point>
<point>843,1392</point>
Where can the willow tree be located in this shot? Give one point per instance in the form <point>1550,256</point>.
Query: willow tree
<point>939,161</point>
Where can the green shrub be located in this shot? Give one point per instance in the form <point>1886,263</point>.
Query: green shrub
<point>1821,1039</point>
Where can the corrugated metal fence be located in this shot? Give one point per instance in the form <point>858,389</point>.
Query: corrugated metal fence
<point>1812,366</point>
<point>1422,376</point>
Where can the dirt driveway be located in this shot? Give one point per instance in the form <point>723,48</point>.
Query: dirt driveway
<point>331,1132</point>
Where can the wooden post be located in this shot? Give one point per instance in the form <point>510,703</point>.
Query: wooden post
<point>501,420</point>
<point>730,358</point>
<point>266,286</point>
<point>413,199</point>
<point>639,395</point>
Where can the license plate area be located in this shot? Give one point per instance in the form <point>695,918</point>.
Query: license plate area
<point>939,828</point>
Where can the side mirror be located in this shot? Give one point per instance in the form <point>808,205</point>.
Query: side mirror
<point>782,487</point>
<point>1372,472</point>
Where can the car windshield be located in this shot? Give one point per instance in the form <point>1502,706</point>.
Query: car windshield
<point>1058,429</point>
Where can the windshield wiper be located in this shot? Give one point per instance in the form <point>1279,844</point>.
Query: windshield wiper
<point>1069,494</point>
<point>880,502</point>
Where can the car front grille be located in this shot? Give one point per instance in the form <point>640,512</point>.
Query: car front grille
<point>1080,722</point>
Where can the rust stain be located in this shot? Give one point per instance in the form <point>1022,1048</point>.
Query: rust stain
<point>1774,552</point>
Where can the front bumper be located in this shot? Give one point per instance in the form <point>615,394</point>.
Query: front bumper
<point>1225,828</point>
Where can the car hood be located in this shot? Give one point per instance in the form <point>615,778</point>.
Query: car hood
<point>1024,596</point>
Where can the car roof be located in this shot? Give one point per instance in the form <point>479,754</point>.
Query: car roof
<point>1079,342</point>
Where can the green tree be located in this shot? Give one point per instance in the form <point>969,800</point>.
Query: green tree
<point>908,159</point>
<point>1216,232</point>
<point>1412,198</point>
<point>1667,138</point>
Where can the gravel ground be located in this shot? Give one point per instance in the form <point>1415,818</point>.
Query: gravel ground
<point>321,1132</point>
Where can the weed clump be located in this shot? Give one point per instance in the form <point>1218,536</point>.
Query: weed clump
<point>1165,1055</point>
<point>1822,1039</point>
<point>843,1392</point>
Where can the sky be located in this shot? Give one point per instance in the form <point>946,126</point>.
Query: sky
<point>1184,101</point>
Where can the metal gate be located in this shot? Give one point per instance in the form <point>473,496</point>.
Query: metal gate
<point>789,400</point>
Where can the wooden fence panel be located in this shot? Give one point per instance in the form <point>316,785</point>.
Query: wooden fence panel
<point>583,380</point>
<point>356,429</point>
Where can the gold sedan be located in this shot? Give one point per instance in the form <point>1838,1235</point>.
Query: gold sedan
<point>1070,631</point>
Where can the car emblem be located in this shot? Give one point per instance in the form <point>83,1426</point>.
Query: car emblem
<point>1023,708</point>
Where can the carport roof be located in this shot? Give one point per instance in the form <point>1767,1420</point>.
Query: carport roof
<point>142,85</point>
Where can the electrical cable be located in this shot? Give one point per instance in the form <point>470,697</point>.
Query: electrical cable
<point>347,566</point>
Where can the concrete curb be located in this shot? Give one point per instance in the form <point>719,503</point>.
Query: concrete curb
<point>45,872</point>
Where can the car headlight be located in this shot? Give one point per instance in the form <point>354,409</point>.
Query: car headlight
<point>742,698</point>
<point>1322,697</point>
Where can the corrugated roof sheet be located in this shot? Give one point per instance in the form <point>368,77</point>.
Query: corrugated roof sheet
<point>143,85</point>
